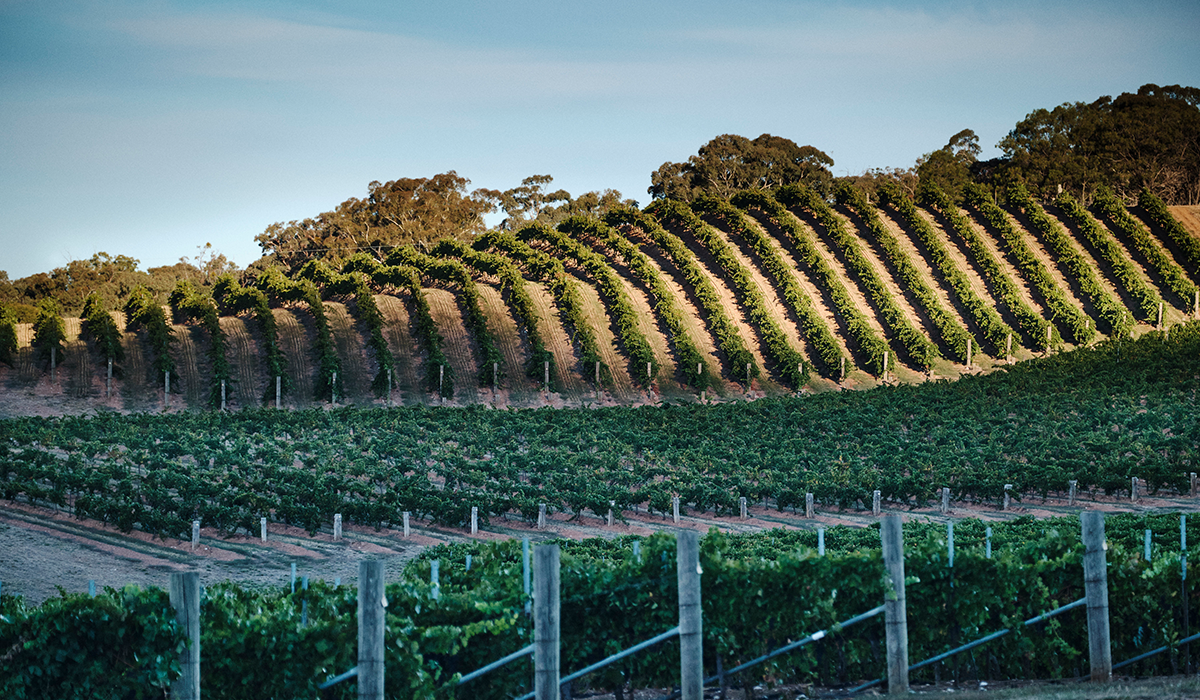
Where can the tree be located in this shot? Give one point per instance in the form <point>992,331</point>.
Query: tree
<point>49,332</point>
<point>408,211</point>
<point>730,163</point>
<point>530,202</point>
<point>1149,139</point>
<point>8,336</point>
<point>950,166</point>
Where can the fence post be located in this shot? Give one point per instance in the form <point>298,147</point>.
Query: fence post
<point>545,622</point>
<point>1133,488</point>
<point>278,391</point>
<point>337,526</point>
<point>546,374</point>
<point>195,534</point>
<point>185,599</point>
<point>875,502</point>
<point>371,605</point>
<point>821,541</point>
<point>675,508</point>
<point>742,506</point>
<point>895,612</point>
<point>262,529</point>
<point>474,520</point>
<point>1007,496</point>
<point>1192,484</point>
<point>222,394</point>
<point>945,500</point>
<point>1073,490</point>
<point>541,524</point>
<point>1095,586</point>
<point>691,625</point>
<point>610,512</point>
<point>166,388</point>
<point>808,506</point>
<point>108,380</point>
<point>405,516</point>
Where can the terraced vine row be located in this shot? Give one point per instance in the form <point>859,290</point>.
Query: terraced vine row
<point>953,334</point>
<point>1171,274</point>
<point>981,312</point>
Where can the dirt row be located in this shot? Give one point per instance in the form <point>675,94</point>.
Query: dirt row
<point>43,548</point>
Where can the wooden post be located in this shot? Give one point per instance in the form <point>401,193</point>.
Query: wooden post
<point>166,388</point>
<point>1192,483</point>
<point>405,517</point>
<point>546,374</point>
<point>333,389</point>
<point>610,512</point>
<point>808,506</point>
<point>597,376</point>
<point>195,534</point>
<point>675,508</point>
<point>895,611</point>
<point>691,624</point>
<point>545,622</point>
<point>1133,488</point>
<point>747,376</point>
<point>262,529</point>
<point>108,380</point>
<point>541,524</point>
<point>1095,586</point>
<point>387,400</point>
<point>441,378</point>
<point>371,625</point>
<point>278,391</point>
<point>1008,349</point>
<point>745,515</point>
<point>885,365</point>
<point>1049,336</point>
<point>875,502</point>
<point>474,520</point>
<point>185,599</point>
<point>495,375</point>
<point>1007,497</point>
<point>337,526</point>
<point>1072,491</point>
<point>525,560</point>
<point>842,368</point>
<point>222,394</point>
<point>1160,314</point>
<point>969,352</point>
<point>821,541</point>
<point>945,500</point>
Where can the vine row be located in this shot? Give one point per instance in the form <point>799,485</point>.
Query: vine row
<point>189,303</point>
<point>142,311</point>
<point>919,348</point>
<point>232,298</point>
<point>1188,244</point>
<point>985,317</point>
<point>1171,274</point>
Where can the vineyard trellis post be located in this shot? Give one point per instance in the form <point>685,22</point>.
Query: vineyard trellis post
<point>821,541</point>
<point>1007,496</point>
<point>108,381</point>
<point>371,625</point>
<point>278,392</point>
<point>166,389</point>
<point>262,528</point>
<point>222,394</point>
<point>195,534</point>
<point>895,612</point>
<point>405,516</point>
<point>742,508</point>
<point>184,596</point>
<point>809,509</point>
<point>1072,491</point>
<point>546,622</point>
<point>691,625</point>
<point>337,526</point>
<point>1095,586</point>
<point>945,500</point>
<point>876,508</point>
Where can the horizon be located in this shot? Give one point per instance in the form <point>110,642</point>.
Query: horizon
<point>149,129</point>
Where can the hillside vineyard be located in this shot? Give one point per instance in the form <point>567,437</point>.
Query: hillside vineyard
<point>767,293</point>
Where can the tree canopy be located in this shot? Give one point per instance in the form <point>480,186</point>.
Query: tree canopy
<point>730,163</point>
<point>1150,139</point>
<point>416,211</point>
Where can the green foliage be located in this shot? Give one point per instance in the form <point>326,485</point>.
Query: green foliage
<point>8,336</point>
<point>1188,245</point>
<point>857,325</point>
<point>919,349</point>
<point>454,272</point>
<point>1170,273</point>
<point>980,312</point>
<point>811,325</point>
<point>949,168</point>
<point>1098,415</point>
<point>119,644</point>
<point>189,303</point>
<point>49,332</point>
<point>953,334</point>
<point>1031,324</point>
<point>730,163</point>
<point>1034,271</point>
<point>141,310</point>
<point>232,298</point>
<point>99,325</point>
<point>1114,315</point>
<point>304,288</point>
<point>518,297</point>
<point>609,286</point>
<point>562,286</point>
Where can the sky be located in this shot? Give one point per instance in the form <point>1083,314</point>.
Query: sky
<point>150,128</point>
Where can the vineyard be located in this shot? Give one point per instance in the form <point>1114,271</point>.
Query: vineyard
<point>759,592</point>
<point>768,293</point>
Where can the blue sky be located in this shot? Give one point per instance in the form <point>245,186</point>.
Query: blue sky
<point>150,128</point>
